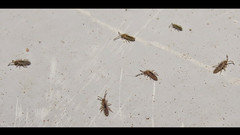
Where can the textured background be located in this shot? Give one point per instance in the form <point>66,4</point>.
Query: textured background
<point>74,60</point>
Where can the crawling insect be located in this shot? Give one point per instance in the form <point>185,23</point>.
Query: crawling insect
<point>149,73</point>
<point>104,105</point>
<point>125,36</point>
<point>177,27</point>
<point>221,66</point>
<point>18,63</point>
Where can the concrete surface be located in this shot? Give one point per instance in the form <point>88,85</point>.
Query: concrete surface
<point>75,60</point>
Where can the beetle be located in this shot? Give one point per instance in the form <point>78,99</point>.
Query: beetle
<point>149,73</point>
<point>222,66</point>
<point>18,63</point>
<point>104,104</point>
<point>177,27</point>
<point>125,36</point>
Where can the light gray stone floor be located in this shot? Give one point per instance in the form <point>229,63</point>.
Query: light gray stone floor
<point>75,60</point>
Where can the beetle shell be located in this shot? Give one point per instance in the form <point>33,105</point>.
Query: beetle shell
<point>149,74</point>
<point>125,36</point>
<point>106,112</point>
<point>19,63</point>
<point>177,27</point>
<point>222,66</point>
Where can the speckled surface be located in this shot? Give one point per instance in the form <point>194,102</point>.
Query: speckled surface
<point>75,60</point>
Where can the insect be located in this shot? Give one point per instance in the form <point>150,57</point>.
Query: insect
<point>175,26</point>
<point>104,104</point>
<point>125,36</point>
<point>149,73</point>
<point>18,63</point>
<point>221,66</point>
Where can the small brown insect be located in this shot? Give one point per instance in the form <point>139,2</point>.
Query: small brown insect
<point>18,63</point>
<point>221,66</point>
<point>150,74</point>
<point>125,36</point>
<point>177,27</point>
<point>104,105</point>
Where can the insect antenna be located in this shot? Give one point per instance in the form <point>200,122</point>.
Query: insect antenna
<point>119,35</point>
<point>138,74</point>
<point>11,63</point>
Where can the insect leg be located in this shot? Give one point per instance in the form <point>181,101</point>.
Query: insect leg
<point>125,41</point>
<point>215,66</point>
<point>230,62</point>
<point>116,38</point>
<point>100,98</point>
<point>139,74</point>
<point>101,109</point>
<point>110,109</point>
<point>105,94</point>
<point>155,73</point>
<point>220,72</point>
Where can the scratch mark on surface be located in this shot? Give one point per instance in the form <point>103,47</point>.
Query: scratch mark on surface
<point>153,100</point>
<point>86,84</point>
<point>16,113</point>
<point>53,68</point>
<point>96,20</point>
<point>119,90</point>
<point>26,119</point>
<point>90,124</point>
<point>120,113</point>
<point>178,54</point>
<point>146,24</point>
<point>41,113</point>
